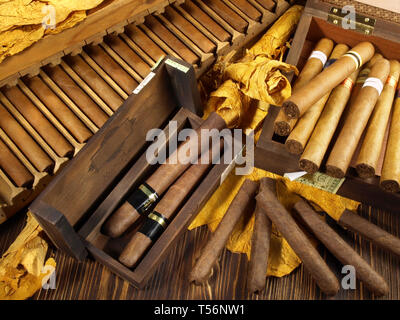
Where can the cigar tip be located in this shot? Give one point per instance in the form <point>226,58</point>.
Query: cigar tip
<point>294,146</point>
<point>135,250</point>
<point>335,172</point>
<point>308,166</point>
<point>282,128</point>
<point>390,185</point>
<point>291,109</point>
<point>365,171</point>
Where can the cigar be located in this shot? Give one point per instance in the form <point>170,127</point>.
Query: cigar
<point>71,122</point>
<point>324,130</point>
<point>157,221</point>
<point>371,148</point>
<point>243,202</point>
<point>298,138</point>
<point>42,125</point>
<point>260,243</point>
<point>296,238</point>
<point>40,160</point>
<point>341,250</point>
<point>356,120</point>
<point>390,176</point>
<point>14,168</point>
<point>149,192</point>
<point>318,58</point>
<point>328,79</point>
<point>370,231</point>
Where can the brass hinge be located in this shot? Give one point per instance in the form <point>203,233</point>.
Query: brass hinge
<point>362,23</point>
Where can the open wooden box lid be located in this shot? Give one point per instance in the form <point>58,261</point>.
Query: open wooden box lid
<point>78,189</point>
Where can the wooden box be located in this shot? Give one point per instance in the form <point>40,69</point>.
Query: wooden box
<point>271,154</point>
<point>74,206</point>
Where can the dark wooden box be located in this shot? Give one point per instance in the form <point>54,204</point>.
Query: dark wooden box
<point>270,152</point>
<point>74,206</point>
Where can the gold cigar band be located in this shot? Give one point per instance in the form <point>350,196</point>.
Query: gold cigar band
<point>392,81</point>
<point>356,58</point>
<point>159,218</point>
<point>149,193</point>
<point>348,83</point>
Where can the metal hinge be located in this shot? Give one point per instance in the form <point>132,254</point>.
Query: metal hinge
<point>362,23</point>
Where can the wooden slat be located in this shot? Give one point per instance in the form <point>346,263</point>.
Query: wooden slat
<point>248,9</point>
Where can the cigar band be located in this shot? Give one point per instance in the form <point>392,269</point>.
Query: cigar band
<point>348,83</point>
<point>356,58</point>
<point>329,63</point>
<point>143,198</point>
<point>392,81</point>
<point>363,75</point>
<point>154,225</point>
<point>375,83</point>
<point>319,55</point>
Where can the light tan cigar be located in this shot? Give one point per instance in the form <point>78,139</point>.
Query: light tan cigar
<point>75,93</point>
<point>283,125</point>
<point>24,141</point>
<point>390,176</point>
<point>317,145</point>
<point>356,121</point>
<point>341,250</point>
<point>371,148</point>
<point>260,243</point>
<point>103,90</point>
<point>43,126</point>
<point>298,138</point>
<point>328,79</point>
<point>243,202</point>
<point>296,238</point>
<point>14,168</point>
<point>71,122</point>
<point>157,183</point>
<point>164,212</point>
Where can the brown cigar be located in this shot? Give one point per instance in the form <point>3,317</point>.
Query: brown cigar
<point>371,148</point>
<point>283,125</point>
<point>148,193</point>
<point>390,176</point>
<point>296,238</point>
<point>260,243</point>
<point>317,145</point>
<point>243,202</point>
<point>356,120</point>
<point>341,250</point>
<point>41,124</point>
<point>370,231</point>
<point>71,122</point>
<point>158,220</point>
<point>40,160</point>
<point>14,168</point>
<point>298,138</point>
<point>328,79</point>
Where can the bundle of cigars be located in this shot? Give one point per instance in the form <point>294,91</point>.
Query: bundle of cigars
<point>343,113</point>
<point>298,227</point>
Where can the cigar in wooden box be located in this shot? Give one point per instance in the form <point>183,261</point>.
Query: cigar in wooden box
<point>157,221</point>
<point>298,138</point>
<point>370,231</point>
<point>324,130</point>
<point>296,238</point>
<point>318,58</point>
<point>260,243</point>
<point>390,176</point>
<point>243,202</point>
<point>371,148</point>
<point>18,173</point>
<point>328,79</point>
<point>341,250</point>
<point>356,120</point>
<point>149,192</point>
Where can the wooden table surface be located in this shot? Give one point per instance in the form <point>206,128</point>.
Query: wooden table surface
<point>90,280</point>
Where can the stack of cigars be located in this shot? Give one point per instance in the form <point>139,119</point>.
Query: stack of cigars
<point>297,227</point>
<point>339,113</point>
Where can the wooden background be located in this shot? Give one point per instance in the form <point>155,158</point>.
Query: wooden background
<point>90,280</point>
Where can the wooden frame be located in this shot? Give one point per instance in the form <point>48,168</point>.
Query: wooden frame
<point>271,153</point>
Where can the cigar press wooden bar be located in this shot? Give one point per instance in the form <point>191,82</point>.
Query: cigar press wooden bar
<point>73,208</point>
<point>323,19</point>
<point>60,91</point>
